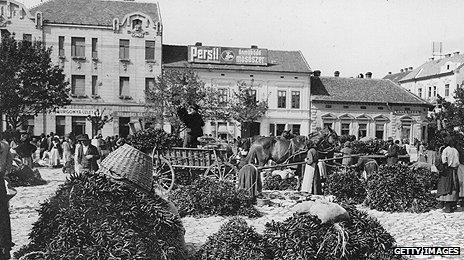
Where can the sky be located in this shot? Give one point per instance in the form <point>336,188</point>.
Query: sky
<point>353,37</point>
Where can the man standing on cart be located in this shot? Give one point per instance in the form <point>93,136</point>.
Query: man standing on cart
<point>193,122</point>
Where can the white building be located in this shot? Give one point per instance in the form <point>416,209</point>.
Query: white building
<point>281,77</point>
<point>109,50</point>
<point>436,77</point>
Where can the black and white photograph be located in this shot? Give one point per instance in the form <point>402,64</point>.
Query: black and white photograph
<point>221,129</point>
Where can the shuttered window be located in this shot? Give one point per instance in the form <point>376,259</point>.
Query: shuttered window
<point>78,85</point>
<point>149,50</point>
<point>124,49</point>
<point>77,46</point>
<point>124,86</point>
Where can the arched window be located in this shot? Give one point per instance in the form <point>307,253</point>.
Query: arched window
<point>137,25</point>
<point>381,127</point>
<point>328,120</point>
<point>363,123</point>
<point>345,124</point>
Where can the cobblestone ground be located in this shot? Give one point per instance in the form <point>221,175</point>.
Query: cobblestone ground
<point>427,229</point>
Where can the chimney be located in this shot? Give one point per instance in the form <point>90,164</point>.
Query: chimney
<point>368,75</point>
<point>447,55</point>
<point>410,68</point>
<point>360,76</point>
<point>337,73</point>
<point>431,58</point>
<point>198,44</point>
<point>456,53</point>
<point>317,73</point>
<point>254,46</point>
<point>389,73</point>
<point>401,70</point>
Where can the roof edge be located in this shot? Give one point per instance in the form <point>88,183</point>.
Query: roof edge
<point>316,100</point>
<point>427,77</point>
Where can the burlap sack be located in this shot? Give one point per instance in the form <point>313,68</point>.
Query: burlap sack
<point>324,210</point>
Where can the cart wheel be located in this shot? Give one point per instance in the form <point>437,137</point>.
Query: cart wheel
<point>163,175</point>
<point>222,171</point>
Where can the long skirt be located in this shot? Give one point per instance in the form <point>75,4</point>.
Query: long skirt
<point>54,157</point>
<point>250,180</point>
<point>461,180</point>
<point>448,186</point>
<point>311,182</point>
<point>5,227</point>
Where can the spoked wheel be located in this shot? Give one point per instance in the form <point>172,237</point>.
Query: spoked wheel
<point>222,171</point>
<point>163,175</point>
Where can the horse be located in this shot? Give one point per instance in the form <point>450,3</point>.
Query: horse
<point>280,149</point>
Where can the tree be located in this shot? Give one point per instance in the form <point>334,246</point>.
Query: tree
<point>98,120</point>
<point>173,88</point>
<point>245,107</point>
<point>29,84</point>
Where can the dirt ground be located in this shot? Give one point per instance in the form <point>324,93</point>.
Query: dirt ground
<point>433,228</point>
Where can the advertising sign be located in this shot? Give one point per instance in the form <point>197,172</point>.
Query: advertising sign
<point>74,112</point>
<point>226,55</point>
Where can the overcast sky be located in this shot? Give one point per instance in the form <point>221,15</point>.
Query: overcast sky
<point>353,36</point>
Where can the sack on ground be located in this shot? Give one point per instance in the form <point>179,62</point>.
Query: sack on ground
<point>324,210</point>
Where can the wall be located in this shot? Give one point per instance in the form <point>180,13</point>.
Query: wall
<point>19,20</point>
<point>439,82</point>
<point>394,118</point>
<point>267,84</point>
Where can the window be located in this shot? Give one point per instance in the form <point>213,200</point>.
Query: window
<point>271,130</point>
<point>295,99</point>
<point>77,46</point>
<point>61,46</point>
<point>419,92</point>
<point>253,95</point>
<point>345,107</point>
<point>379,130</point>
<point>328,106</point>
<point>149,50</point>
<point>78,85</point>
<point>124,86</point>
<point>430,91</point>
<point>27,37</point>
<point>345,129</point>
<point>328,125</point>
<point>447,67</point>
<point>447,90</point>
<point>94,48</point>
<point>407,109</point>
<point>362,130</point>
<point>363,107</point>
<point>281,99</point>
<point>434,91</point>
<point>123,49</point>
<point>223,93</point>
<point>94,85</point>
<point>296,129</point>
<point>380,108</point>
<point>280,129</point>
<point>60,125</point>
<point>149,84</point>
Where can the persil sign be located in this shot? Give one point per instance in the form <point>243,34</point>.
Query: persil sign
<point>225,55</point>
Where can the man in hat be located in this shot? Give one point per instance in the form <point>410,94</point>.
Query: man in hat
<point>87,154</point>
<point>6,161</point>
<point>392,152</point>
<point>193,122</point>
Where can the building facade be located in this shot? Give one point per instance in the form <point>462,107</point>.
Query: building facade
<point>280,77</point>
<point>366,107</point>
<point>109,51</point>
<point>438,76</point>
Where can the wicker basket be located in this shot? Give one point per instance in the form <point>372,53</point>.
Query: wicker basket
<point>128,163</point>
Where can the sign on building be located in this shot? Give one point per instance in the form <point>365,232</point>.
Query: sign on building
<point>226,55</point>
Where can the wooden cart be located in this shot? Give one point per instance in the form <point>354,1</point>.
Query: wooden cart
<point>214,162</point>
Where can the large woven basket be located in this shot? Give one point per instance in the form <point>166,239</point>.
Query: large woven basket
<point>128,163</point>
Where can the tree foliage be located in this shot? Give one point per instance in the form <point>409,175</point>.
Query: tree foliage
<point>174,88</point>
<point>245,106</point>
<point>29,83</point>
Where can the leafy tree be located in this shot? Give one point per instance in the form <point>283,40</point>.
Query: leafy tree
<point>29,83</point>
<point>98,120</point>
<point>245,107</point>
<point>179,87</point>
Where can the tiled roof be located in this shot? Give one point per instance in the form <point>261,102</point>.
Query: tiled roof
<point>436,67</point>
<point>92,12</point>
<point>361,90</point>
<point>396,77</point>
<point>176,56</point>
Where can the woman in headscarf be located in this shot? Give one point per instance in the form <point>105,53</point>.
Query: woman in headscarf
<point>5,227</point>
<point>448,185</point>
<point>311,182</point>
